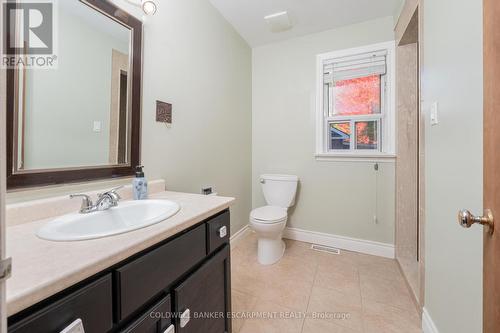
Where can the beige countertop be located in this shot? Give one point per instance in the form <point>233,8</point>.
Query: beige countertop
<point>43,268</point>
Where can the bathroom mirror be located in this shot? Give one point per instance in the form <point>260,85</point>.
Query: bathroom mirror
<point>81,120</point>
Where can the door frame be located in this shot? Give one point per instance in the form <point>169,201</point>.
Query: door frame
<point>491,163</point>
<point>409,9</point>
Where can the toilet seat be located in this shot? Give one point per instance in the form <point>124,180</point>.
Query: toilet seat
<point>269,215</point>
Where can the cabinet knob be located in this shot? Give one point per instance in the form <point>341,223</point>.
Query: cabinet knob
<point>170,329</point>
<point>185,317</point>
<point>74,327</point>
<point>223,232</point>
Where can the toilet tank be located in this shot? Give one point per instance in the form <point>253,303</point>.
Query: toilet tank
<point>279,190</point>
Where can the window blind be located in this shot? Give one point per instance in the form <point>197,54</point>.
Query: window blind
<point>374,63</point>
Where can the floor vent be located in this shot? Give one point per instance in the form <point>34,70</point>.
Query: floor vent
<point>326,249</point>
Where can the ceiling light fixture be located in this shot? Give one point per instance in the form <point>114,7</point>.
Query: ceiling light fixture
<point>148,6</point>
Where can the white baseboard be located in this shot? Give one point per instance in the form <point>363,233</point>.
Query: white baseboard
<point>341,242</point>
<point>428,325</point>
<point>239,235</point>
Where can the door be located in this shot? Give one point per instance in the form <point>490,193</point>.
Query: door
<point>491,168</point>
<point>203,300</point>
<point>491,195</point>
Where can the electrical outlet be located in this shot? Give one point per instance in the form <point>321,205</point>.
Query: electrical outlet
<point>375,219</point>
<point>207,190</point>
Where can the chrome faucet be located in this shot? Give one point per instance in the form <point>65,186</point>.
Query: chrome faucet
<point>104,201</point>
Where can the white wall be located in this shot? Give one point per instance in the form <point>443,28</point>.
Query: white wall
<point>334,197</point>
<point>453,77</point>
<point>64,103</point>
<point>195,60</point>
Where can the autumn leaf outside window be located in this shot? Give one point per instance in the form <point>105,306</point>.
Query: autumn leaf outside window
<point>355,101</point>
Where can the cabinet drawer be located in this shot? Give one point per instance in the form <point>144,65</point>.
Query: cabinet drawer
<point>204,298</point>
<point>218,231</point>
<point>140,280</point>
<point>155,320</point>
<point>92,304</point>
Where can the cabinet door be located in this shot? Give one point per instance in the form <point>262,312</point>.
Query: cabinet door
<point>204,299</point>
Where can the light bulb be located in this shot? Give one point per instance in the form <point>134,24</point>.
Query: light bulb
<point>149,7</point>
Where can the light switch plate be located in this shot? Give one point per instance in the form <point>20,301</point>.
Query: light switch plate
<point>97,126</point>
<point>434,113</point>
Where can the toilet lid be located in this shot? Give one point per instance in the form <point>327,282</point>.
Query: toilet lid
<point>269,213</point>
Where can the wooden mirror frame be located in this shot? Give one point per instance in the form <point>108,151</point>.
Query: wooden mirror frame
<point>80,174</point>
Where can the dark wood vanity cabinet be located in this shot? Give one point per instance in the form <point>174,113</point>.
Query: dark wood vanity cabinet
<point>143,278</point>
<point>155,320</point>
<point>180,285</point>
<point>204,298</point>
<point>91,303</point>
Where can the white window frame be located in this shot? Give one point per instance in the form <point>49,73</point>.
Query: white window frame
<point>387,148</point>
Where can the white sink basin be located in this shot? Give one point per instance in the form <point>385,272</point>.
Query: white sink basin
<point>126,217</point>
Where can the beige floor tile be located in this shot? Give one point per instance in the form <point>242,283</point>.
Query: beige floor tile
<point>339,275</point>
<point>289,293</point>
<point>382,318</point>
<point>246,246</point>
<point>241,303</point>
<point>345,310</point>
<point>287,283</point>
<point>290,268</point>
<point>244,280</point>
<point>380,267</point>
<point>297,268</point>
<point>277,323</point>
<point>300,250</point>
<point>386,291</point>
<point>370,289</point>
<point>238,254</point>
<point>324,326</point>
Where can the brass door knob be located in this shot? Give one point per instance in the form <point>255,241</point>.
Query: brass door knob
<point>466,219</point>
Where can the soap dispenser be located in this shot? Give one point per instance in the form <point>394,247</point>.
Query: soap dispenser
<point>140,184</point>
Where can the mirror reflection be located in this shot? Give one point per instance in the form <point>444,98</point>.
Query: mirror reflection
<point>87,122</point>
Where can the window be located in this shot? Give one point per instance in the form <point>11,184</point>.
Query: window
<point>356,102</point>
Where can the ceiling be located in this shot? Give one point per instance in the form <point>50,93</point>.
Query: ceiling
<point>307,16</point>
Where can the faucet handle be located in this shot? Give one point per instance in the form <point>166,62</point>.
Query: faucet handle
<point>86,202</point>
<point>116,189</point>
<point>111,195</point>
<point>113,192</point>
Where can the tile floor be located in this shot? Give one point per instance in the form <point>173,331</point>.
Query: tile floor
<point>350,292</point>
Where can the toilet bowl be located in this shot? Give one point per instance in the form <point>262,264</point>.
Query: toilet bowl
<point>269,222</point>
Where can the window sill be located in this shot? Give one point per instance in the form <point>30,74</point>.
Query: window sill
<point>355,157</point>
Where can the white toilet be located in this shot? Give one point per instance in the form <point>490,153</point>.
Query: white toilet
<point>269,221</point>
